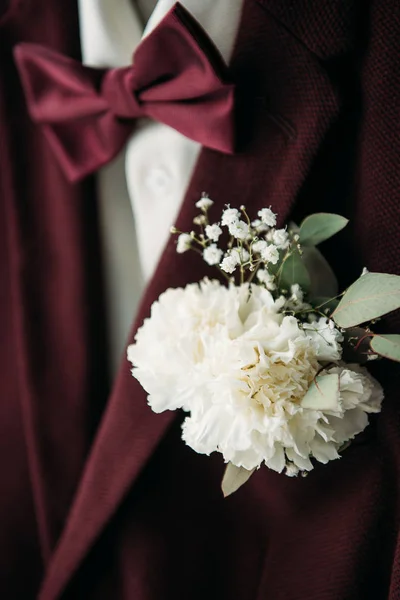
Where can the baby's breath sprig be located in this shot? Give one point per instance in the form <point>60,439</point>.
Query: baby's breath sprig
<point>254,250</point>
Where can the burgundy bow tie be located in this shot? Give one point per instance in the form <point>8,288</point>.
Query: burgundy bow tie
<point>178,78</point>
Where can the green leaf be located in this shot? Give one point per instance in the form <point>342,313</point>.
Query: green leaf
<point>370,297</point>
<point>387,346</point>
<point>323,279</point>
<point>323,303</point>
<point>294,271</point>
<point>320,227</point>
<point>323,393</point>
<point>234,478</point>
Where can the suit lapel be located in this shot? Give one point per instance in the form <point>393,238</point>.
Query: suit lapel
<point>288,104</point>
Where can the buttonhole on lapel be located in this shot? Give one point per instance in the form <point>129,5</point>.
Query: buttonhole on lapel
<point>284,125</point>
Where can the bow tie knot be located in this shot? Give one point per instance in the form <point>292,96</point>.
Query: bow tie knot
<point>118,89</point>
<point>178,78</point>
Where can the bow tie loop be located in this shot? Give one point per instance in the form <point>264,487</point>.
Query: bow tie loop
<point>178,78</point>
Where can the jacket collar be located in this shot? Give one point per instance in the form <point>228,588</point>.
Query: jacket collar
<point>289,105</point>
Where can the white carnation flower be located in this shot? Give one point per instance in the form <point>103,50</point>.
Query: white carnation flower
<point>184,243</point>
<point>240,369</point>
<point>204,203</point>
<point>326,339</point>
<point>360,394</point>
<point>230,216</point>
<point>267,216</point>
<point>212,254</point>
<point>292,470</point>
<point>213,232</point>
<point>169,344</point>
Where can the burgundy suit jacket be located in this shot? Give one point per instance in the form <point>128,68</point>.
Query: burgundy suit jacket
<point>100,497</point>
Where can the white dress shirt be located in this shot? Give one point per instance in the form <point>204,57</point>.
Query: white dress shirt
<point>140,192</point>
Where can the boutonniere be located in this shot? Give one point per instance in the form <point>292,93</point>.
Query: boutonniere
<point>268,371</point>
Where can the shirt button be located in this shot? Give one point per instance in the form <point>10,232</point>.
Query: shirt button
<point>158,180</point>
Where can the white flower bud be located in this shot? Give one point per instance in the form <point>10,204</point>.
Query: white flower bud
<point>259,226</point>
<point>204,203</point>
<point>212,255</point>
<point>184,243</point>
<point>200,220</point>
<point>241,254</point>
<point>297,293</point>
<point>229,264</point>
<point>230,216</point>
<point>259,246</point>
<point>266,278</point>
<point>270,254</point>
<point>267,216</point>
<point>239,230</point>
<point>213,232</point>
<point>280,238</point>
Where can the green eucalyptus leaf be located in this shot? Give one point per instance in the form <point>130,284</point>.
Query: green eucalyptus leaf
<point>294,271</point>
<point>323,279</point>
<point>320,227</point>
<point>370,297</point>
<point>387,346</point>
<point>323,393</point>
<point>234,478</point>
<point>324,303</point>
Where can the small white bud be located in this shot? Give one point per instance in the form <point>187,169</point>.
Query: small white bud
<point>280,238</point>
<point>241,254</point>
<point>213,232</point>
<point>184,243</point>
<point>229,264</point>
<point>267,279</point>
<point>200,220</point>
<point>239,230</point>
<point>259,246</point>
<point>267,217</point>
<point>230,216</point>
<point>204,203</point>
<point>212,255</point>
<point>270,254</point>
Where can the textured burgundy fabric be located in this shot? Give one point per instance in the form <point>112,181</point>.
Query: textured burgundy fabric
<point>87,114</point>
<point>320,131</point>
<point>53,382</point>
